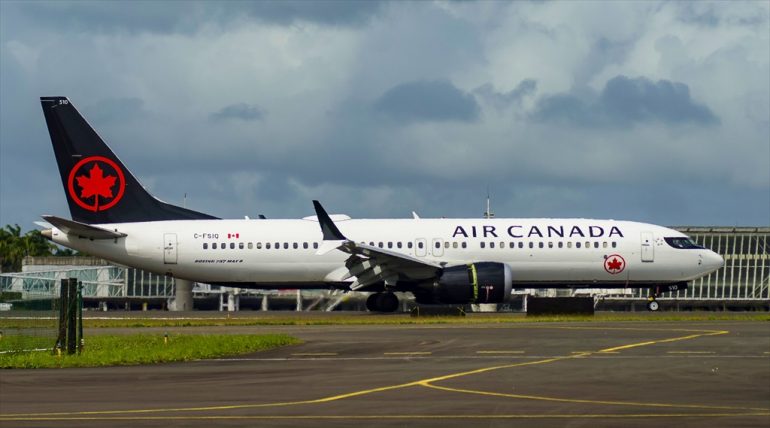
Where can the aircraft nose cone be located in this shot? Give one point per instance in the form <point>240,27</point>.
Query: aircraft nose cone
<point>713,261</point>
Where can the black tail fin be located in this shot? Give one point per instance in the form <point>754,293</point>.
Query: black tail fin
<point>99,188</point>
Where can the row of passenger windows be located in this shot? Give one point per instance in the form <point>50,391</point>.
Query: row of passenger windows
<point>420,245</point>
<point>259,245</point>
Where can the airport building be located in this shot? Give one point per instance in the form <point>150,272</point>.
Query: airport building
<point>742,284</point>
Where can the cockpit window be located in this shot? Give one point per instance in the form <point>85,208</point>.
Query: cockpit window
<point>682,243</point>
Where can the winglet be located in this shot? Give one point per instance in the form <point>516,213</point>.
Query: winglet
<point>328,228</point>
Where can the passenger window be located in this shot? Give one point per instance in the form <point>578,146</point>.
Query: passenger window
<point>550,245</point>
<point>491,245</point>
<point>267,245</point>
<point>596,244</point>
<point>521,245</point>
<point>205,246</point>
<point>577,244</point>
<point>502,245</point>
<point>285,245</point>
<point>371,244</point>
<point>588,245</point>
<point>259,245</point>
<point>569,244</point>
<point>464,245</point>
<point>295,245</point>
<point>419,245</point>
<point>614,244</point>
<point>511,245</point>
<point>223,246</point>
<point>531,245</point>
<point>438,245</point>
<point>409,244</point>
<point>277,245</point>
<point>304,245</point>
<point>251,246</point>
<point>446,244</point>
<point>379,244</point>
<point>540,245</point>
<point>390,245</point>
<point>482,244</point>
<point>213,245</point>
<point>604,244</point>
<point>454,245</point>
<point>240,245</point>
<point>315,245</point>
<point>398,244</point>
<point>561,244</point>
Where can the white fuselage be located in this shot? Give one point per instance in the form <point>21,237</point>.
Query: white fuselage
<point>540,252</point>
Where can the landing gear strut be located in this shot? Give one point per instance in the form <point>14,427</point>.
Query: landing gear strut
<point>382,302</point>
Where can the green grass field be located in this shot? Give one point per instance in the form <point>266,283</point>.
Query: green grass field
<point>137,349</point>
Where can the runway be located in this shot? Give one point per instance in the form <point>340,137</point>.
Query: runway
<point>531,374</point>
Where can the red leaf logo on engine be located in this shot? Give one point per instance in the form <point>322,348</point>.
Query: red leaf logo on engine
<point>92,183</point>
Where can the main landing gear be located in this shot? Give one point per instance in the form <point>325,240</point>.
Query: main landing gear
<point>382,302</point>
<point>652,304</point>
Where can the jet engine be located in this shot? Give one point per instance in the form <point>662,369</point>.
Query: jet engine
<point>482,282</point>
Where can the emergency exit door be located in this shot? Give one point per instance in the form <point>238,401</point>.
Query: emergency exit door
<point>169,248</point>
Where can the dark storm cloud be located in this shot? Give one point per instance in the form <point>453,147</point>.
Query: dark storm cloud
<point>242,111</point>
<point>624,102</point>
<point>188,17</point>
<point>502,100</point>
<point>437,100</point>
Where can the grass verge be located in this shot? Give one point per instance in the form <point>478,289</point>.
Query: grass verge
<point>147,349</point>
<point>391,319</point>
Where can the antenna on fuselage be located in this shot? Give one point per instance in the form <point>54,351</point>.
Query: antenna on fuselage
<point>488,213</point>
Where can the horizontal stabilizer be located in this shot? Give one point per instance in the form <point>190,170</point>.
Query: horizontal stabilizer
<point>71,227</point>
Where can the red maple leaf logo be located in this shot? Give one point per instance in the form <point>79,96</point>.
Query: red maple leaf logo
<point>614,264</point>
<point>96,184</point>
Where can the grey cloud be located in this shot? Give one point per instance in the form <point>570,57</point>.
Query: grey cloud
<point>624,102</point>
<point>187,17</point>
<point>240,111</point>
<point>437,100</point>
<point>114,110</point>
<point>502,100</point>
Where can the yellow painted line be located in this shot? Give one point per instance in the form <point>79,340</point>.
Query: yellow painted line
<point>398,417</point>
<point>580,352</point>
<point>766,353</point>
<point>581,401</point>
<point>314,354</point>
<point>424,382</point>
<point>499,352</point>
<point>691,352</point>
<point>407,353</point>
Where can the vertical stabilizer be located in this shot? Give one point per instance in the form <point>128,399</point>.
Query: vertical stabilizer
<point>98,187</point>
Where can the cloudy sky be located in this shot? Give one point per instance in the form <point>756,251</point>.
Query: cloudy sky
<point>651,111</point>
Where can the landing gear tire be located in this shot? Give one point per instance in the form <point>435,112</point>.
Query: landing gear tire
<point>653,305</point>
<point>382,302</point>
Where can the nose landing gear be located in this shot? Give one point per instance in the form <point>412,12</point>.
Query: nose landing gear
<point>652,304</point>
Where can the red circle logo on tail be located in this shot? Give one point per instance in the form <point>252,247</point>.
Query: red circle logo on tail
<point>96,183</point>
<point>614,264</point>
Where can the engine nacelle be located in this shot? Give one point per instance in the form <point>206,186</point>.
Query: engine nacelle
<point>482,282</point>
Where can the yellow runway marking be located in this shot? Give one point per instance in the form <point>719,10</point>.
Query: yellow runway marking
<point>580,401</point>
<point>691,352</point>
<point>499,352</point>
<point>398,417</point>
<point>315,354</point>
<point>407,353</point>
<point>429,383</point>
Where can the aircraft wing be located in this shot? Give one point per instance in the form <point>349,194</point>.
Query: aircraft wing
<point>369,264</point>
<point>71,227</point>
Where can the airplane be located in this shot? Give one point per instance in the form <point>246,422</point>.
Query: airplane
<point>439,261</point>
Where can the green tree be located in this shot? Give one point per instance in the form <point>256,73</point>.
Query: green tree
<point>14,247</point>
